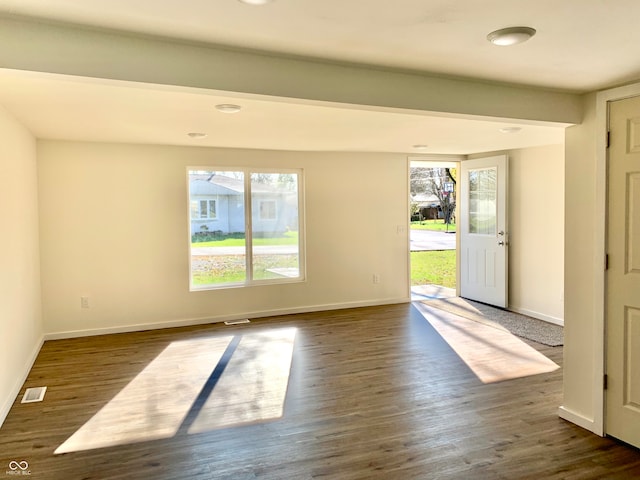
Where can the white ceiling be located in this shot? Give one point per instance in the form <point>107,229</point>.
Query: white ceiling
<point>581,45</point>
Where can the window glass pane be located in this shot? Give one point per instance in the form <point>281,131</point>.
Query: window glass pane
<point>212,209</point>
<point>195,209</point>
<point>274,206</point>
<point>203,209</point>
<point>483,201</point>
<point>473,181</point>
<point>218,254</point>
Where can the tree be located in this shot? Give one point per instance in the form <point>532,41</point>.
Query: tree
<point>419,180</point>
<point>436,181</point>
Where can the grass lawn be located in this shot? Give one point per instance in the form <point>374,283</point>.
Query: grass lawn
<point>235,240</point>
<point>430,267</point>
<point>435,225</point>
<point>434,267</point>
<point>208,270</point>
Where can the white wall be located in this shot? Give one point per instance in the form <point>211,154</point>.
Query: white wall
<point>536,232</point>
<point>20,313</point>
<point>114,228</point>
<point>581,297</point>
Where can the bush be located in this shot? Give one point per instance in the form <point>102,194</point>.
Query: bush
<point>214,236</point>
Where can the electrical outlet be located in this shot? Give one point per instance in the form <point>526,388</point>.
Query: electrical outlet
<point>376,278</point>
<point>84,302</point>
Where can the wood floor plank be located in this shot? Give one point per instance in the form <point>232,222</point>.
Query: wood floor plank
<point>373,393</point>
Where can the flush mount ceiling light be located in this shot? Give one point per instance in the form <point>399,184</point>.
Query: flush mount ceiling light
<point>228,108</point>
<point>255,2</point>
<point>509,129</point>
<point>196,135</point>
<point>511,36</point>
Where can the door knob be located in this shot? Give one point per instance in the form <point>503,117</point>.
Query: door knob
<point>501,233</point>
<point>501,243</point>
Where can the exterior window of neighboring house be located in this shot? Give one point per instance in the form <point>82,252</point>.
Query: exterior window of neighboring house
<point>267,210</point>
<point>203,209</point>
<point>245,227</point>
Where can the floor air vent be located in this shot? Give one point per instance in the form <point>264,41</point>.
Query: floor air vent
<point>35,394</point>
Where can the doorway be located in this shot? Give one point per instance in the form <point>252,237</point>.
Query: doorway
<point>433,232</point>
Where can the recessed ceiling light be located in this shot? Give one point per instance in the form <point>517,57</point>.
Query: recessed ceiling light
<point>196,134</point>
<point>255,2</point>
<point>421,147</point>
<point>228,108</point>
<point>511,36</point>
<point>509,129</point>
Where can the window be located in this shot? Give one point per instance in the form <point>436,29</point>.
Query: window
<point>245,227</point>
<point>483,192</point>
<point>203,209</point>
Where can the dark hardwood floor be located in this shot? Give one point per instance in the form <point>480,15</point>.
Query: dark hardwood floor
<point>374,393</point>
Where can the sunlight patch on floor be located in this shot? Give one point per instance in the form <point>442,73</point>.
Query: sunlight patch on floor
<point>168,392</point>
<point>493,354</point>
<point>254,385</point>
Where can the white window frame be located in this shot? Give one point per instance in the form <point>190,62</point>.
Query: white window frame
<point>248,222</point>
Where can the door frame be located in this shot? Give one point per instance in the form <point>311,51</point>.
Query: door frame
<point>600,233</point>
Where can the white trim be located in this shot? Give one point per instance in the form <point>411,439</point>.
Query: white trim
<point>602,124</point>
<point>443,160</point>
<point>17,387</point>
<point>221,318</point>
<point>408,224</point>
<point>576,418</point>
<point>537,315</point>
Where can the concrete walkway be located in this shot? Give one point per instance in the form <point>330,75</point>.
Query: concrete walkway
<point>431,292</point>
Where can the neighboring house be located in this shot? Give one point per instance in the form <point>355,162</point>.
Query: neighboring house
<point>428,206</point>
<point>217,205</point>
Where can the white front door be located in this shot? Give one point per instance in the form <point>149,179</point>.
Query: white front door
<point>483,230</point>
<point>622,415</point>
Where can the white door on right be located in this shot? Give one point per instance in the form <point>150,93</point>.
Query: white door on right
<point>483,230</point>
<point>622,416</point>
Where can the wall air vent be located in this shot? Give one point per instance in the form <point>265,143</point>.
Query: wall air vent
<point>35,394</point>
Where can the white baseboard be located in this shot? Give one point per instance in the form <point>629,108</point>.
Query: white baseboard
<point>580,420</point>
<point>538,315</point>
<point>220,318</point>
<point>22,377</point>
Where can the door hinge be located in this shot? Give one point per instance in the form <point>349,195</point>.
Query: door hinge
<point>606,261</point>
<point>605,381</point>
<point>608,139</point>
